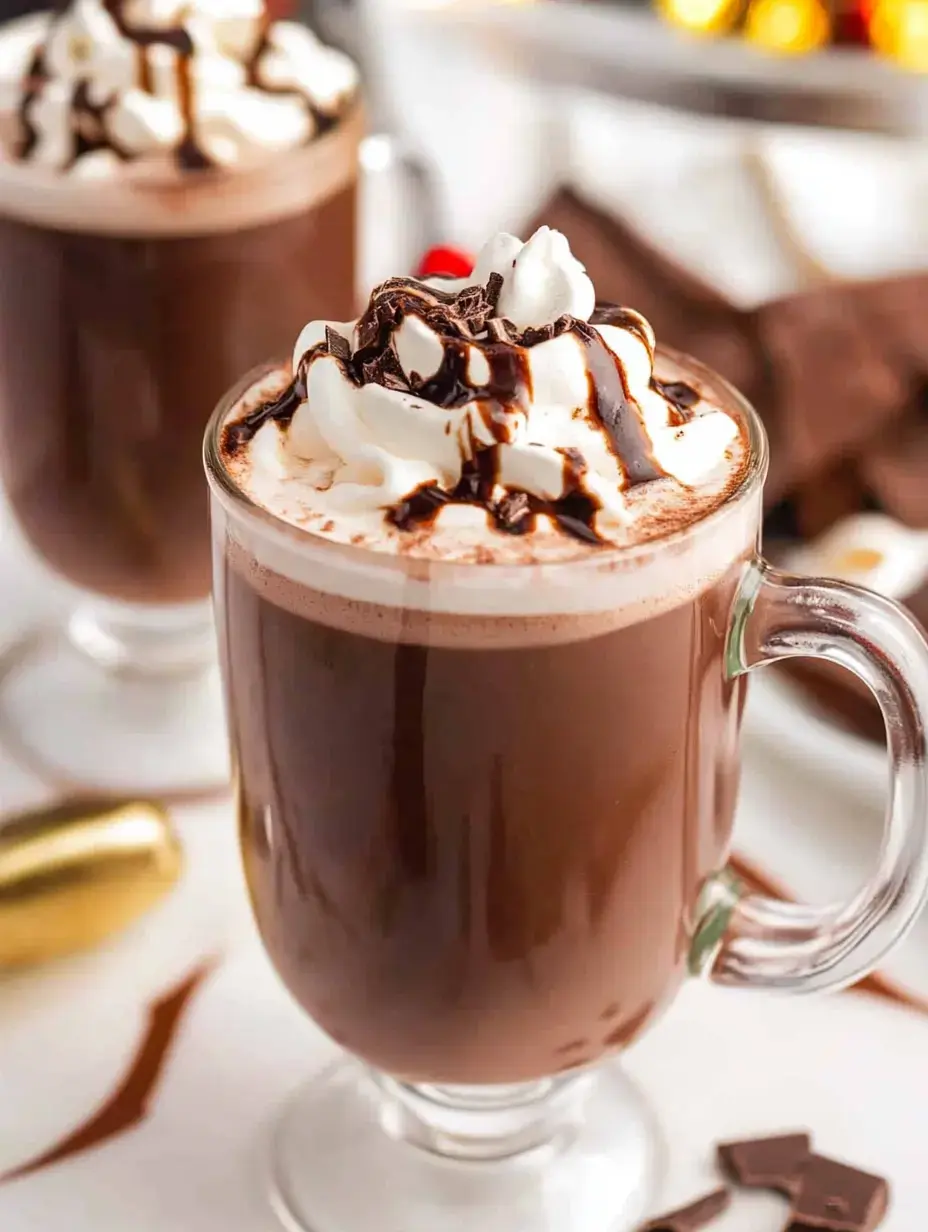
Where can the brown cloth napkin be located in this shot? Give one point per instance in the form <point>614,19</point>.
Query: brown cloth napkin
<point>838,373</point>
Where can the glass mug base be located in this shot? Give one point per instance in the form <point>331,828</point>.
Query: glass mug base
<point>86,709</point>
<point>352,1151</point>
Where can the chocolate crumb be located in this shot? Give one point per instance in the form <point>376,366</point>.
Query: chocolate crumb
<point>514,513</point>
<point>501,329</point>
<point>834,1197</point>
<point>767,1163</point>
<point>690,1218</point>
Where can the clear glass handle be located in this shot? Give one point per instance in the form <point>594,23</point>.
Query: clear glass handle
<point>754,941</point>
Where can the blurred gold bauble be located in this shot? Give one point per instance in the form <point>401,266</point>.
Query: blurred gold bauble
<point>899,29</point>
<point>788,26</point>
<point>76,874</point>
<point>703,16</point>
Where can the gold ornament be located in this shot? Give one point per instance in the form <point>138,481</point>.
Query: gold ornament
<point>899,29</point>
<point>703,16</point>
<point>791,27</point>
<point>76,874</point>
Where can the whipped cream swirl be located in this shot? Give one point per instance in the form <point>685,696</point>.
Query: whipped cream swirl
<point>511,394</point>
<point>209,82</point>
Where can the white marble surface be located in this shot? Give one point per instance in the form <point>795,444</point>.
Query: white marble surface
<point>720,1064</point>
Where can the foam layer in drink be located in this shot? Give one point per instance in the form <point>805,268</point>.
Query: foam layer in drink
<point>489,607</point>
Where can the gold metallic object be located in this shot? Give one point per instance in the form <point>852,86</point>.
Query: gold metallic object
<point>789,26</point>
<point>74,875</point>
<point>899,28</point>
<point>703,16</point>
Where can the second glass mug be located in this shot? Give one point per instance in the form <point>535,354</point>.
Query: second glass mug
<point>485,849</point>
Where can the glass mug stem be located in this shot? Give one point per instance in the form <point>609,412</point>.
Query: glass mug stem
<point>480,1122</point>
<point>144,640</point>
<point>755,941</point>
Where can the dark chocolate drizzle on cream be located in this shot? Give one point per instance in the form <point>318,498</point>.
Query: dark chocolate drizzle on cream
<point>465,319</point>
<point>89,120</point>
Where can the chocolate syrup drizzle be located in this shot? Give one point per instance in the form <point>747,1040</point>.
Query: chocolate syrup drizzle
<point>464,319</point>
<point>89,120</point>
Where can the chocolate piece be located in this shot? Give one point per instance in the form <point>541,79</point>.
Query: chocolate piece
<point>838,1198</point>
<point>767,1163</point>
<point>690,1218</point>
<point>834,386</point>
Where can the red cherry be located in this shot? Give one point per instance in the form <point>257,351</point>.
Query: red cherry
<point>451,262</point>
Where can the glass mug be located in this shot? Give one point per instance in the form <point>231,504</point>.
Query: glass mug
<point>485,813</point>
<point>126,308</point>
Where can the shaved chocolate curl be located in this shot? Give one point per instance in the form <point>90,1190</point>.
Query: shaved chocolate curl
<point>691,1218</point>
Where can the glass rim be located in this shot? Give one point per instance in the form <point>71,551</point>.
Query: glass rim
<point>223,485</point>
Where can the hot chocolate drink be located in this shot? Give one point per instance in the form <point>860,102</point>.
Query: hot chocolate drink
<point>178,181</point>
<point>476,558</point>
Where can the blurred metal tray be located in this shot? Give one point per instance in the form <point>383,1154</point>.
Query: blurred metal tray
<point>631,54</point>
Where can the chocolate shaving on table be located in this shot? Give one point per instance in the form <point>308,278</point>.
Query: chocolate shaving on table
<point>767,1163</point>
<point>834,1197</point>
<point>696,1215</point>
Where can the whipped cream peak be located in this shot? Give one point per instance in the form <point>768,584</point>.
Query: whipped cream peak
<point>205,82</point>
<point>455,415</point>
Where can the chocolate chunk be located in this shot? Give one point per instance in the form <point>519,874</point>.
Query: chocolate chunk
<point>836,1198</point>
<point>690,1218</point>
<point>494,289</point>
<point>767,1163</point>
<point>339,346</point>
<point>834,385</point>
<point>513,514</point>
<point>384,369</point>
